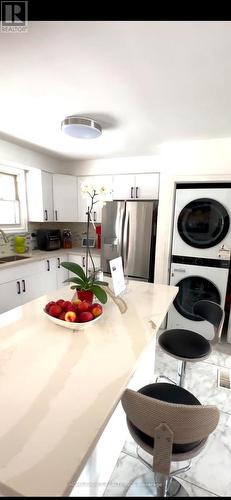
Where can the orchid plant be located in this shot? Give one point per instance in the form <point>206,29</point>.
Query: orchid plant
<point>98,194</point>
<point>94,194</point>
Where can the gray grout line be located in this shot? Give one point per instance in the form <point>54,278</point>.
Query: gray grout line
<point>197,486</point>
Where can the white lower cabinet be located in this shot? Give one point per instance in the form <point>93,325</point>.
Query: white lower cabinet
<point>81,260</point>
<point>20,284</point>
<point>10,295</point>
<point>61,272</point>
<point>96,259</point>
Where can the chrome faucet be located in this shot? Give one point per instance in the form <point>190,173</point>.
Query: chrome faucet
<point>5,238</point>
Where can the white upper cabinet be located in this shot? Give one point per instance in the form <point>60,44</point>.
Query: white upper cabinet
<point>147,186</point>
<point>123,187</point>
<point>136,187</point>
<point>39,196</point>
<point>84,200</point>
<point>65,198</point>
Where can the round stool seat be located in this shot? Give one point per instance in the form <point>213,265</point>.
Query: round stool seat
<point>184,343</point>
<point>171,394</point>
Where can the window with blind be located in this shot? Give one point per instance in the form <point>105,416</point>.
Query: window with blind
<point>9,202</point>
<point>12,199</point>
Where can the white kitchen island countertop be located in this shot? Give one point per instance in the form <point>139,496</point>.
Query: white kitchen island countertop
<point>58,388</point>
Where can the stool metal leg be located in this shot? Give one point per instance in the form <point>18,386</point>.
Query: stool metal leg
<point>181,373</point>
<point>165,377</point>
<point>161,482</point>
<point>154,484</point>
<point>150,484</point>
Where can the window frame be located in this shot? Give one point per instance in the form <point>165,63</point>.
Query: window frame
<point>21,191</point>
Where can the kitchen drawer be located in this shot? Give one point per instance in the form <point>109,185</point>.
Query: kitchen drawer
<point>18,271</point>
<point>23,271</point>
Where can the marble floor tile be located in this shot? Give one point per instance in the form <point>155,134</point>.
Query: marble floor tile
<point>211,469</point>
<point>127,469</point>
<point>209,474</point>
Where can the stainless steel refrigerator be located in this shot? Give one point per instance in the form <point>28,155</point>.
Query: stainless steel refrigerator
<point>129,231</point>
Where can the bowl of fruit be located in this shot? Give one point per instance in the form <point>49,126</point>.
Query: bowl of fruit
<point>74,314</point>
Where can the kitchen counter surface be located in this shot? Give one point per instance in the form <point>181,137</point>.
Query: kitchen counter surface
<point>58,387</point>
<point>37,255</point>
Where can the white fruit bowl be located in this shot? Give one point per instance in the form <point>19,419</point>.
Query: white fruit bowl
<point>71,324</point>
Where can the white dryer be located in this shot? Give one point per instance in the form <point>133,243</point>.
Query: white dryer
<point>202,221</point>
<point>196,282</point>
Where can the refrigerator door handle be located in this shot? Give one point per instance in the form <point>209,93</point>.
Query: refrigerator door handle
<point>128,232</point>
<point>125,242</point>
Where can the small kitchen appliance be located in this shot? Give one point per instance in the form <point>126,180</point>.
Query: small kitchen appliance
<point>49,239</point>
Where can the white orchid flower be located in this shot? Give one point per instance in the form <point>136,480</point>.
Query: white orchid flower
<point>103,190</point>
<point>87,189</point>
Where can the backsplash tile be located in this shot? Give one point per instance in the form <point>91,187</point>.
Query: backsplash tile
<point>78,230</point>
<point>9,247</point>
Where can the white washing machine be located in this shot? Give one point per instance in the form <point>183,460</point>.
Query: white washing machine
<point>202,221</point>
<point>196,282</point>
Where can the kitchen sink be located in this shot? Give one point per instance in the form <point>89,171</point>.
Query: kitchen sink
<point>12,258</point>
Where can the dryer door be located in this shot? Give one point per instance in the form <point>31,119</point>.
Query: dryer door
<point>203,223</point>
<point>192,289</point>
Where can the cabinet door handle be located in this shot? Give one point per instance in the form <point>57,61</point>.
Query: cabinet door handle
<point>83,261</point>
<point>56,214</point>
<point>137,192</point>
<point>23,286</point>
<point>94,216</point>
<point>48,265</point>
<point>132,188</point>
<point>18,287</point>
<point>46,214</point>
<point>58,263</point>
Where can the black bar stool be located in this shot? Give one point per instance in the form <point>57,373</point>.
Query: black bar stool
<point>186,345</point>
<point>170,424</point>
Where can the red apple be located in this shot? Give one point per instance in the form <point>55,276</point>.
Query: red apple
<point>83,306</point>
<point>48,305</point>
<point>96,309</point>
<point>62,315</point>
<point>66,304</point>
<point>70,307</point>
<point>60,302</point>
<point>76,302</point>
<point>55,310</point>
<point>70,316</point>
<point>85,316</point>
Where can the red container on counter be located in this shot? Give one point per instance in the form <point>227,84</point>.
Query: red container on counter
<point>98,232</point>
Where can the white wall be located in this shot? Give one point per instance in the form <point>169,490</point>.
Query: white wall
<point>188,157</point>
<point>21,157</point>
<point>134,164</point>
<point>182,161</point>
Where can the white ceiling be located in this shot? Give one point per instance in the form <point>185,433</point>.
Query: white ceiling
<point>145,82</point>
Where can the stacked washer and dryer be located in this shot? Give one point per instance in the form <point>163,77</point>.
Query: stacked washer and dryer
<point>200,252</point>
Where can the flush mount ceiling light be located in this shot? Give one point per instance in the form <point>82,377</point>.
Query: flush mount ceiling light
<point>81,128</point>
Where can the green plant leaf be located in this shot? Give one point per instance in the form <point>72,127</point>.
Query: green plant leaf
<point>99,293</point>
<point>78,281</point>
<point>103,283</point>
<point>75,268</point>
